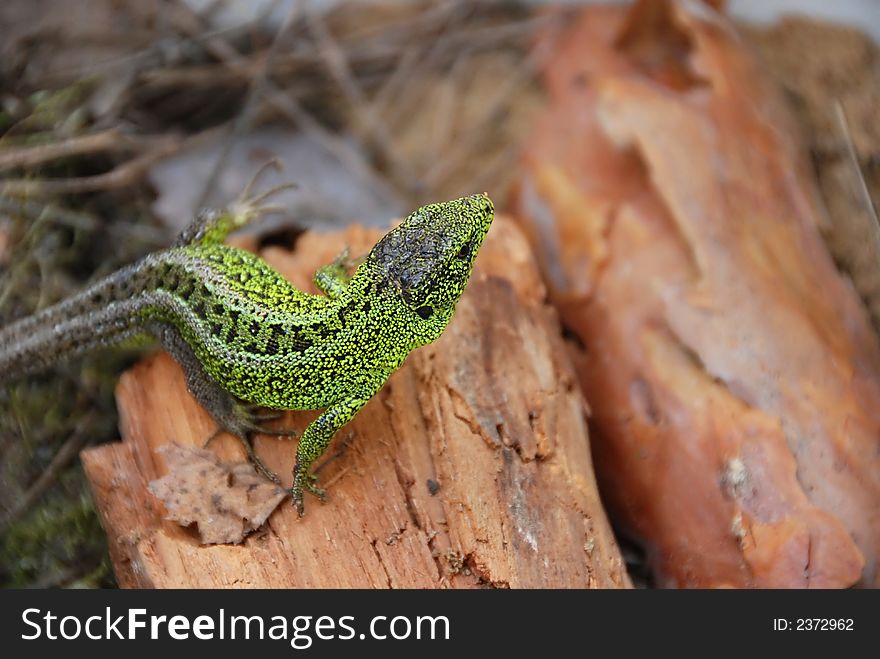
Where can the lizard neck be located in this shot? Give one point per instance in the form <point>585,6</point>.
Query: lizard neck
<point>376,297</point>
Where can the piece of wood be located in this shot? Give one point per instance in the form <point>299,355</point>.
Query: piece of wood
<point>490,414</point>
<point>733,373</point>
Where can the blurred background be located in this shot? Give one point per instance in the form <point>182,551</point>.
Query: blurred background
<point>120,118</point>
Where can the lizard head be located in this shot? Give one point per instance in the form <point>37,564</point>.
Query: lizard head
<point>427,260</point>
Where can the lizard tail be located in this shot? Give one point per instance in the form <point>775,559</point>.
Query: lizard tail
<point>99,316</point>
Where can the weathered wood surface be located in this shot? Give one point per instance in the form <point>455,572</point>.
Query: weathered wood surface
<point>732,370</point>
<point>490,413</point>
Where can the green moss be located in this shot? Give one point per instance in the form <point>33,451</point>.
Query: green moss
<point>56,111</point>
<point>57,540</point>
<point>59,543</point>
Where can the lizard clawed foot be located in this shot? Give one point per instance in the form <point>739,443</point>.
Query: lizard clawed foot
<point>276,432</point>
<point>312,486</point>
<point>303,480</point>
<point>258,464</point>
<point>245,418</point>
<point>242,422</point>
<point>345,261</point>
<point>249,206</point>
<point>251,415</point>
<point>252,456</point>
<point>269,416</point>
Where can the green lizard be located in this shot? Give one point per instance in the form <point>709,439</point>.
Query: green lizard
<point>243,334</point>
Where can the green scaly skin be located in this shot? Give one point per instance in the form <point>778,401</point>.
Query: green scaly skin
<point>243,333</point>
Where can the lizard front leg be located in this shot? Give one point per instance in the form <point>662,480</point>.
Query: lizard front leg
<point>314,442</point>
<point>332,279</point>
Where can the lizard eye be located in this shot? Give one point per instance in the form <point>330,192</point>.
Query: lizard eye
<point>465,252</point>
<point>424,312</point>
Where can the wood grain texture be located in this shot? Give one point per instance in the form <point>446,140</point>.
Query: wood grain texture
<point>490,414</point>
<point>733,373</point>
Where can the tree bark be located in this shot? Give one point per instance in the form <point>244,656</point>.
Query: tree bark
<point>470,468</point>
<point>733,371</point>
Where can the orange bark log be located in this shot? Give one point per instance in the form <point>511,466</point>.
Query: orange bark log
<point>734,377</point>
<point>490,413</point>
